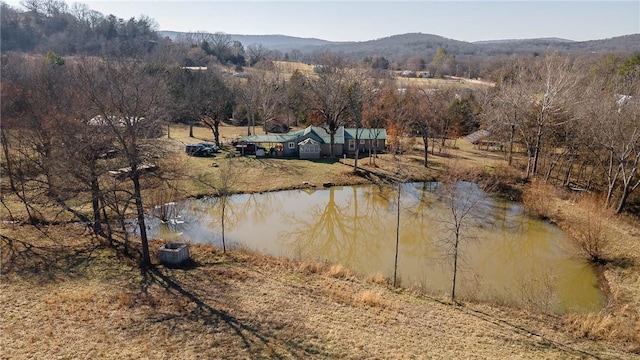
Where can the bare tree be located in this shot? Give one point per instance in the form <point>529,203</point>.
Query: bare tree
<point>257,53</point>
<point>221,45</point>
<point>415,63</point>
<point>200,96</point>
<point>268,84</point>
<point>196,38</point>
<point>620,134</point>
<point>400,179</point>
<point>551,86</point>
<point>295,97</point>
<point>38,107</point>
<point>383,109</point>
<point>295,55</point>
<point>506,115</point>
<point>227,180</point>
<point>360,95</point>
<point>330,102</point>
<point>461,200</point>
<point>247,96</point>
<point>423,110</point>
<point>127,97</point>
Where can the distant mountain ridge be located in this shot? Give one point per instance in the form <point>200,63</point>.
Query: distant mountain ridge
<point>426,45</point>
<point>504,41</point>
<point>275,42</point>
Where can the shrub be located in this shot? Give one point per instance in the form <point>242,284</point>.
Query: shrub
<point>537,199</point>
<point>587,224</point>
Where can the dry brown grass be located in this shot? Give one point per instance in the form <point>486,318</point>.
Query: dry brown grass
<point>589,226</point>
<point>373,299</point>
<point>615,239</point>
<point>311,267</point>
<point>258,175</point>
<point>538,199</point>
<point>287,68</point>
<point>379,278</point>
<point>340,272</point>
<point>95,304</point>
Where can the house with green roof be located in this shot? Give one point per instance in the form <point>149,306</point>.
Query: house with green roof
<point>314,142</point>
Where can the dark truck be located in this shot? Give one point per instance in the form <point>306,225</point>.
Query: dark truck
<point>247,148</point>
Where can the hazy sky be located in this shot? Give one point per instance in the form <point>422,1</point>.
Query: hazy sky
<point>367,20</point>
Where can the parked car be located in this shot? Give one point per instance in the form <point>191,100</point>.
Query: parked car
<point>201,149</point>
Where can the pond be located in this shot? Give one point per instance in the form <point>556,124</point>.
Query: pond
<point>504,255</point>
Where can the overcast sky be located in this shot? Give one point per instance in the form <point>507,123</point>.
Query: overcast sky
<point>367,20</point>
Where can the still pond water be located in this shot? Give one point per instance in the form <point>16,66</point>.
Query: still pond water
<point>506,257</point>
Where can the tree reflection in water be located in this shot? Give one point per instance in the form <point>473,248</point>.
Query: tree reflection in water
<point>516,258</point>
<point>344,234</point>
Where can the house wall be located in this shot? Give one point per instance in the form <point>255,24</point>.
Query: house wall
<point>288,151</point>
<point>369,144</point>
<point>325,149</point>
<point>295,150</point>
<point>309,151</point>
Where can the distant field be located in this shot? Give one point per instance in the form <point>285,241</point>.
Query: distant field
<point>289,67</point>
<point>307,69</point>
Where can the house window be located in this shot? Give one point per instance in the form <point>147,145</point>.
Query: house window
<point>292,145</point>
<point>352,144</point>
<point>362,141</point>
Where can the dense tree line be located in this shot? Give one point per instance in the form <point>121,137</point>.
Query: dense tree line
<point>576,118</point>
<point>51,25</point>
<point>67,125</point>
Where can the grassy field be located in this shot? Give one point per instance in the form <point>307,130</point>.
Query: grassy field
<point>84,300</point>
<point>288,68</point>
<point>269,174</point>
<point>69,295</point>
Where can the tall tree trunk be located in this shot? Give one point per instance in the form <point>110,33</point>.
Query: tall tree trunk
<point>536,154</point>
<point>135,177</point>
<point>106,221</point>
<point>455,265</point>
<point>357,154</point>
<point>332,141</point>
<point>224,206</point>
<point>95,198</point>
<point>612,178</point>
<point>425,139</point>
<point>395,263</point>
<point>528,172</point>
<point>623,199</point>
<point>216,132</point>
<point>626,191</point>
<point>511,136</point>
<point>567,176</point>
<point>8,162</point>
